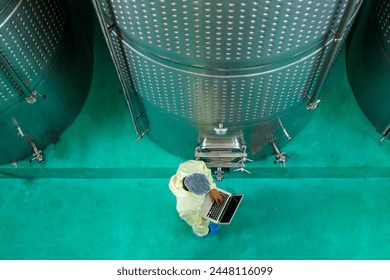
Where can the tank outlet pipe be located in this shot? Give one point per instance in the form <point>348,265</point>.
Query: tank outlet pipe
<point>337,41</point>
<point>385,133</point>
<point>284,129</point>
<point>20,131</point>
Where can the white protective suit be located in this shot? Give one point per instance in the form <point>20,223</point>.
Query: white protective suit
<point>188,204</point>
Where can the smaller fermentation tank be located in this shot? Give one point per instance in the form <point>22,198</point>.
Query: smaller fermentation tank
<point>45,73</point>
<point>369,64</point>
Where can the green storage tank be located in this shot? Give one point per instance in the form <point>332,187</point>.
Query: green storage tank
<point>369,64</point>
<point>46,70</point>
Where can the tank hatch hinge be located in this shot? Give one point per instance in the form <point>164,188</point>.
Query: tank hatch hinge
<point>222,154</point>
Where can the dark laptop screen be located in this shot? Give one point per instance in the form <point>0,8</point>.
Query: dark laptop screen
<point>231,209</point>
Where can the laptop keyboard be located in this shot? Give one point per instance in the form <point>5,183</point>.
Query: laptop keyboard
<point>216,208</point>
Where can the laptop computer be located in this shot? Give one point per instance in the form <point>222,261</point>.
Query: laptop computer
<point>221,213</point>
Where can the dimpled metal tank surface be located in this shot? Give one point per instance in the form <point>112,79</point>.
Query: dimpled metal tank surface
<point>45,72</point>
<point>227,80</point>
<point>369,64</point>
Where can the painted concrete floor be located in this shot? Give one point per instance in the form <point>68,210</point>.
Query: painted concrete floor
<point>101,195</point>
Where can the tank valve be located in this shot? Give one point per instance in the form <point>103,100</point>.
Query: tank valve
<point>313,104</point>
<point>280,157</point>
<point>37,153</point>
<point>34,96</point>
<point>219,174</point>
<point>220,130</point>
<point>242,169</point>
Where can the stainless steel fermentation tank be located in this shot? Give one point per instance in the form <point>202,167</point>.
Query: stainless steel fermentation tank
<point>223,79</point>
<point>369,64</point>
<point>45,72</point>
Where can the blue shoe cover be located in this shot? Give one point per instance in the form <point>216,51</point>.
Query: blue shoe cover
<point>214,228</point>
<point>213,231</point>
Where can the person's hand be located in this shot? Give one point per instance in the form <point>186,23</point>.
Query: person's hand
<point>215,196</point>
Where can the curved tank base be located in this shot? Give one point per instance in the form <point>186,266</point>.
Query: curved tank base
<point>182,138</point>
<point>368,66</point>
<point>65,89</point>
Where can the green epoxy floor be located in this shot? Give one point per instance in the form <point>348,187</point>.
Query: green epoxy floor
<point>85,201</point>
<point>279,219</point>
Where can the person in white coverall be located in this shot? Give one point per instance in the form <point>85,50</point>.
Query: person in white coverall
<point>190,185</point>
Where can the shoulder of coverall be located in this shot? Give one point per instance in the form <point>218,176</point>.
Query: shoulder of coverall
<point>176,186</point>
